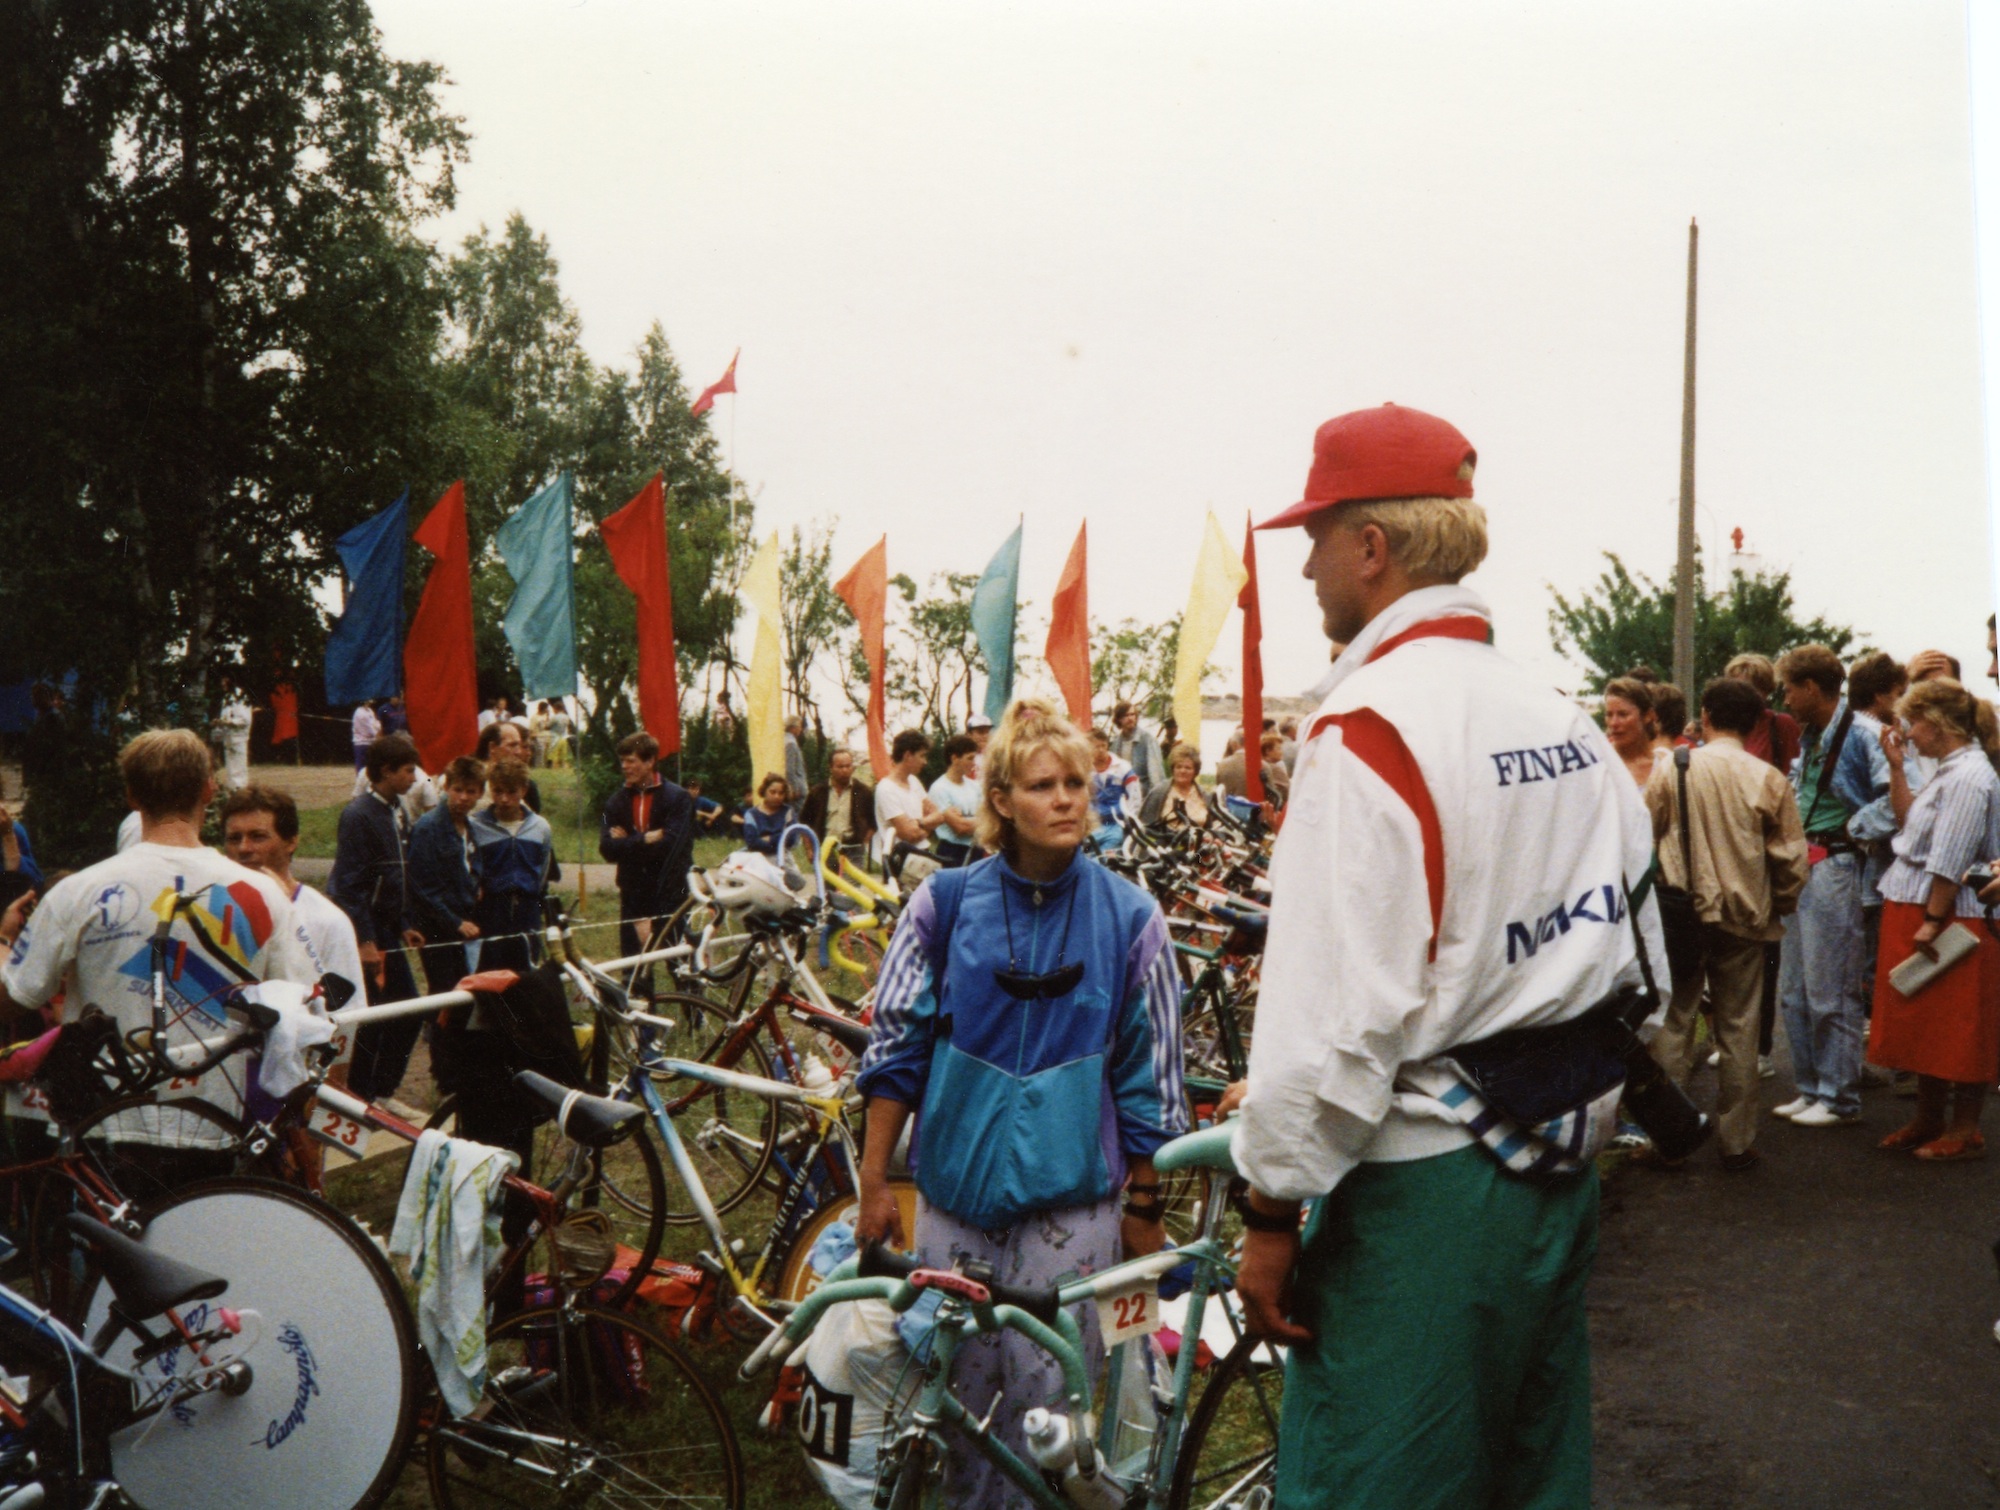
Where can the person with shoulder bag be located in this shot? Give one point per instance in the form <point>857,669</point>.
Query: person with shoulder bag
<point>1732,857</point>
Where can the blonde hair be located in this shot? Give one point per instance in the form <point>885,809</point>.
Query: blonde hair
<point>166,772</point>
<point>1946,705</point>
<point>1755,669</point>
<point>1441,538</point>
<point>1028,728</point>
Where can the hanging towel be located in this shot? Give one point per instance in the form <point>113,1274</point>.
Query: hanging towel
<point>448,1226</point>
<point>282,1068</point>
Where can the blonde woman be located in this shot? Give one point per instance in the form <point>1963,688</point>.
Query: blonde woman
<point>1178,804</point>
<point>1029,1014</point>
<point>1628,726</point>
<point>1949,1032</point>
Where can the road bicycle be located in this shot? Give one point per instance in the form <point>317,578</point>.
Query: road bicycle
<point>1213,1440</point>
<point>819,1175</point>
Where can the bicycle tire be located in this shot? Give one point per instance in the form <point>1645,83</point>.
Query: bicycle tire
<point>796,1279</point>
<point>588,1445</point>
<point>919,1482</point>
<point>632,1164</point>
<point>729,1136</point>
<point>332,1402</point>
<point>1231,1442</point>
<point>142,1173</point>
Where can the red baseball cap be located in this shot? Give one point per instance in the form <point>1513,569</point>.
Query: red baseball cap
<point>1390,452</point>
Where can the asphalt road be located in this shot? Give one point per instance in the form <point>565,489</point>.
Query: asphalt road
<point>1814,1335</point>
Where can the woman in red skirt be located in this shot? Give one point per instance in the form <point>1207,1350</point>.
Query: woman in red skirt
<point>1949,1032</point>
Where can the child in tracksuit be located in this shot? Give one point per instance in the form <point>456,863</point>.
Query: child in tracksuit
<point>517,862</point>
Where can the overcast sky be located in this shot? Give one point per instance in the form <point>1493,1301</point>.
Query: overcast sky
<point>1117,262</point>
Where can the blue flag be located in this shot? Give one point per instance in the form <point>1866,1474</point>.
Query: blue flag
<point>364,654</point>
<point>538,543</point>
<point>993,603</point>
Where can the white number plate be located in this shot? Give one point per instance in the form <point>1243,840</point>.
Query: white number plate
<point>1129,1313</point>
<point>337,1131</point>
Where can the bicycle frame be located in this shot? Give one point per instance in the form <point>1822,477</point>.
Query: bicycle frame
<point>1151,1473</point>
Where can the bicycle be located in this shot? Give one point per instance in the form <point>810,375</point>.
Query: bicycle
<point>1221,1455</point>
<point>60,1416</point>
<point>820,1175</point>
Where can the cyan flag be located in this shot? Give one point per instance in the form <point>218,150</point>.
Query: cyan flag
<point>364,654</point>
<point>538,543</point>
<point>993,603</point>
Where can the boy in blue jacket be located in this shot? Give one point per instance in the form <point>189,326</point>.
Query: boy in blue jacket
<point>444,876</point>
<point>517,862</point>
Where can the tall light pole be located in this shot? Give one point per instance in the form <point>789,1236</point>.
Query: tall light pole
<point>1684,567</point>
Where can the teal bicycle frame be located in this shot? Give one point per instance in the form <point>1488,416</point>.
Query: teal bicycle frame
<point>968,1309</point>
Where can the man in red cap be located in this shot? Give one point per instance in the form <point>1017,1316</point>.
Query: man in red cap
<point>1454,863</point>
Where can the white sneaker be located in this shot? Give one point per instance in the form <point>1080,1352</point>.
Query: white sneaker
<point>1714,1058</point>
<point>1819,1114</point>
<point>1765,1069</point>
<point>1793,1108</point>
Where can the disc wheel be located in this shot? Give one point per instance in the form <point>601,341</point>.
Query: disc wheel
<point>797,1280</point>
<point>626,1182</point>
<point>585,1406</point>
<point>334,1372</point>
<point>1229,1455</point>
<point>729,1135</point>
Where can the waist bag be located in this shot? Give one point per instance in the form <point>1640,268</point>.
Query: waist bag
<point>1534,1075</point>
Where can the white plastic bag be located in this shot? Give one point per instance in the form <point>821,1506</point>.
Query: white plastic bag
<point>854,1362</point>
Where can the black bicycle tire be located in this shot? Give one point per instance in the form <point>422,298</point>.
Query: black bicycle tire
<point>395,1302</point>
<point>752,1172</point>
<point>42,1220</point>
<point>438,1448</point>
<point>1227,1372</point>
<point>913,1467</point>
<point>656,1183</point>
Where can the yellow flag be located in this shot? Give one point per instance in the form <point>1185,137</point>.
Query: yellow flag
<point>1219,576</point>
<point>766,711</point>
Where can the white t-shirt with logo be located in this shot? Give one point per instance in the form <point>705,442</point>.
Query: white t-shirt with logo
<point>93,935</point>
<point>331,937</point>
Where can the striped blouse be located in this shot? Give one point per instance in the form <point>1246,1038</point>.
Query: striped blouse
<point>1954,824</point>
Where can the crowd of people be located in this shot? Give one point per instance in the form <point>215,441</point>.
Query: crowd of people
<point>1481,904</point>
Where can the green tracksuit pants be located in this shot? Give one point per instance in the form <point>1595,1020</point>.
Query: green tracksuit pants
<point>1450,1366</point>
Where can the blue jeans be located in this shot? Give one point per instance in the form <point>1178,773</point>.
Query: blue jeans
<point>1822,985</point>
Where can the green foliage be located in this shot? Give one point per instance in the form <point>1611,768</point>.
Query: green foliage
<point>816,625</point>
<point>1625,619</point>
<point>1134,662</point>
<point>935,658</point>
<point>208,237</point>
<point>75,797</point>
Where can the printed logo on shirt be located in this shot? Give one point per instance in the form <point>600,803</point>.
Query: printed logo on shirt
<point>235,917</point>
<point>1600,904</point>
<point>117,904</point>
<point>1544,763</point>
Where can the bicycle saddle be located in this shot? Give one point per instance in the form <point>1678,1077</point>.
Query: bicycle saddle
<point>145,1283</point>
<point>592,1121</point>
<point>851,1036</point>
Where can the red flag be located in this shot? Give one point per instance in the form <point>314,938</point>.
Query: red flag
<point>636,537</point>
<point>865,591</point>
<point>284,713</point>
<point>1068,649</point>
<point>1253,671</point>
<point>724,384</point>
<point>440,682</point>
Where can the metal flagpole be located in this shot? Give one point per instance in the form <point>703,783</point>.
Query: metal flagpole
<point>1684,568</point>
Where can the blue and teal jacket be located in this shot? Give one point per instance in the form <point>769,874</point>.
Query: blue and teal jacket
<point>1026,1106</point>
<point>444,882</point>
<point>523,862</point>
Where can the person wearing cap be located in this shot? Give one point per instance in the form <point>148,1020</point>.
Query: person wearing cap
<point>1454,863</point>
<point>980,729</point>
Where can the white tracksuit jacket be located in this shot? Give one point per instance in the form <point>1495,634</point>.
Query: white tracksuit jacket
<point>1452,863</point>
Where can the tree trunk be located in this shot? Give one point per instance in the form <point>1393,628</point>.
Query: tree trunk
<point>198,225</point>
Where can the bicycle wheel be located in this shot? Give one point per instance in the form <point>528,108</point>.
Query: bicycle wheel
<point>919,1476</point>
<point>796,1279</point>
<point>627,1182</point>
<point>1229,1455</point>
<point>189,1140</point>
<point>729,1135</point>
<point>584,1406</point>
<point>332,1399</point>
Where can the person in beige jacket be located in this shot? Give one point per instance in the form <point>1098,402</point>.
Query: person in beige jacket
<point>1749,859</point>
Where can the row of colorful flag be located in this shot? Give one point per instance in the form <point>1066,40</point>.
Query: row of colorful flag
<point>436,667</point>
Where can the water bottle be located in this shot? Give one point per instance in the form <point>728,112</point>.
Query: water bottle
<point>815,1077</point>
<point>1052,1444</point>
